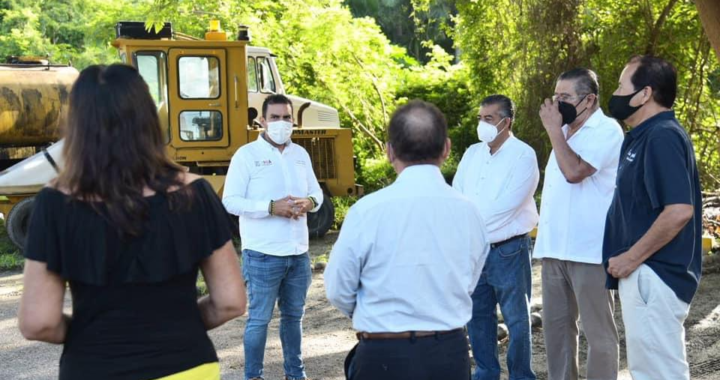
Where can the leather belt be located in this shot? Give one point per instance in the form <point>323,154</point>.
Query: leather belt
<point>495,245</point>
<point>404,335</point>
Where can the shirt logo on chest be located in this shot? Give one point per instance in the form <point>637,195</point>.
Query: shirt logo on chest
<point>263,163</point>
<point>630,156</point>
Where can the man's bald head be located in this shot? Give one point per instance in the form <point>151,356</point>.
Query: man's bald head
<point>417,133</point>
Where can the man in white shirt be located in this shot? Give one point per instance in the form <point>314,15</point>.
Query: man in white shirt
<point>271,186</point>
<point>578,189</point>
<point>500,175</point>
<point>407,260</point>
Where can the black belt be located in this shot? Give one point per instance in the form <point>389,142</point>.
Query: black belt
<point>495,245</point>
<point>404,335</point>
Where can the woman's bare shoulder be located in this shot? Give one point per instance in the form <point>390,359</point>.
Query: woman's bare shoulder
<point>55,185</point>
<point>188,178</point>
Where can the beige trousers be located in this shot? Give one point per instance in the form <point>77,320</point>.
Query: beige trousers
<point>653,316</point>
<point>571,290</point>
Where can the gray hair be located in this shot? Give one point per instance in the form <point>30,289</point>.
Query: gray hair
<point>507,106</point>
<point>586,81</point>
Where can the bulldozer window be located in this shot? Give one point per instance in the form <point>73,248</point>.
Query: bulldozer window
<point>148,65</point>
<point>266,75</point>
<point>199,77</point>
<point>252,75</point>
<point>201,126</point>
<point>152,66</point>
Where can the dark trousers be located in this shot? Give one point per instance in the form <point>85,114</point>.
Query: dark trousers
<point>439,357</point>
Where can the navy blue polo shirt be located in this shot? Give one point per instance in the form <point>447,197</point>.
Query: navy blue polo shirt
<point>657,168</point>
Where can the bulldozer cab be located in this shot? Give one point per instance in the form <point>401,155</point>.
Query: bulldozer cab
<point>209,95</point>
<point>200,90</point>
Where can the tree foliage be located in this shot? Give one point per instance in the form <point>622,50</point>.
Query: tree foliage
<point>65,31</point>
<point>519,47</point>
<point>365,57</point>
<point>411,25</point>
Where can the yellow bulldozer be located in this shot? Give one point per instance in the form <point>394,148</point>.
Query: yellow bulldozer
<point>208,93</point>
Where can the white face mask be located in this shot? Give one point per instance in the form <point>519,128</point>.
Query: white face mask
<point>488,132</point>
<point>279,131</point>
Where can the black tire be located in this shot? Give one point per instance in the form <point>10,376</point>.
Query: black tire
<point>235,224</point>
<point>18,222</point>
<point>319,222</point>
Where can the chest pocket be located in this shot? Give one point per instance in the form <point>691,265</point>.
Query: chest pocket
<point>262,169</point>
<point>488,181</point>
<point>493,186</point>
<point>630,173</point>
<point>554,179</point>
<point>300,167</point>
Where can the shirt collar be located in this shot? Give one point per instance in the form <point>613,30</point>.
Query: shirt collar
<point>420,173</point>
<point>647,124</point>
<point>593,121</point>
<point>269,146</point>
<point>509,141</point>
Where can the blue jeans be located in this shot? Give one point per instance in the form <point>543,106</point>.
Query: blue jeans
<point>269,279</point>
<point>505,280</point>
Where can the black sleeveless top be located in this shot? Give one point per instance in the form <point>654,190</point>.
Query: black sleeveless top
<point>134,300</point>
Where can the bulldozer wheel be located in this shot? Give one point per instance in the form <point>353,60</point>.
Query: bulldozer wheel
<point>235,224</point>
<point>18,221</point>
<point>319,222</point>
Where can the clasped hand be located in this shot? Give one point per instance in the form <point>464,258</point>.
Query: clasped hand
<point>292,207</point>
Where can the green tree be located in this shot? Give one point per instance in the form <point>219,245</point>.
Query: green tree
<point>520,47</point>
<point>65,31</point>
<point>411,25</point>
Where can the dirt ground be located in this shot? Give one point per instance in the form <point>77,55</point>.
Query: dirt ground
<point>328,335</point>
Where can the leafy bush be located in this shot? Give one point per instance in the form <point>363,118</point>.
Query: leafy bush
<point>375,174</point>
<point>10,261</point>
<point>342,205</point>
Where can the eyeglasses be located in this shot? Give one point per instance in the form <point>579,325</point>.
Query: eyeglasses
<point>567,98</point>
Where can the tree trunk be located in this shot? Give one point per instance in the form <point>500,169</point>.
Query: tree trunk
<point>709,11</point>
<point>655,32</point>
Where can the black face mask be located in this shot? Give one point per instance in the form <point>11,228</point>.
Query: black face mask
<point>620,107</point>
<point>568,111</point>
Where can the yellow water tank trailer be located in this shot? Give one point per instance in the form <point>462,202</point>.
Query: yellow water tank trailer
<point>32,99</point>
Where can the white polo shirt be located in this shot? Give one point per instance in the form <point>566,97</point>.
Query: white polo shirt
<point>502,185</point>
<point>259,173</point>
<point>572,216</point>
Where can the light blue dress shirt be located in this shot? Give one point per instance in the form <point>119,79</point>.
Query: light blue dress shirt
<point>408,256</point>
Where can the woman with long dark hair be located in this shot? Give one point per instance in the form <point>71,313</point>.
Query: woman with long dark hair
<point>129,230</point>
